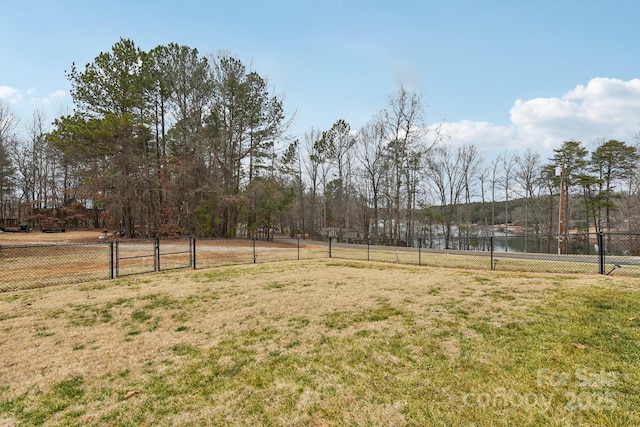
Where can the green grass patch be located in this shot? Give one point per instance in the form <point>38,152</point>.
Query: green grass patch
<point>36,408</point>
<point>344,319</point>
<point>141,316</point>
<point>88,315</point>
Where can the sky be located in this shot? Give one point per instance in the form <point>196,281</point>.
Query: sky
<point>503,75</point>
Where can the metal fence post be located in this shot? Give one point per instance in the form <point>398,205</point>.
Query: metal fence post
<point>117,258</point>
<point>192,249</point>
<point>156,255</point>
<point>298,249</point>
<point>601,250</point>
<point>111,266</point>
<point>493,264</point>
<point>368,249</point>
<point>330,247</point>
<point>254,250</point>
<point>419,252</point>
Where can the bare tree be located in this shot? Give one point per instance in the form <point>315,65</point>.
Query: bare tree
<point>336,146</point>
<point>313,162</point>
<point>527,179</point>
<point>446,173</point>
<point>494,182</point>
<point>633,197</point>
<point>471,164</point>
<point>8,125</point>
<point>508,165</point>
<point>8,122</point>
<point>35,166</point>
<point>370,151</point>
<point>402,125</point>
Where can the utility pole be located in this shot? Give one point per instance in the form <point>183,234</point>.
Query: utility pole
<point>561,227</point>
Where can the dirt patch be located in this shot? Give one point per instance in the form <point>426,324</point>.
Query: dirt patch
<point>97,235</point>
<point>35,237</point>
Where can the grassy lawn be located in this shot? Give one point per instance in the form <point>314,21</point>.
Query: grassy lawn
<point>324,342</point>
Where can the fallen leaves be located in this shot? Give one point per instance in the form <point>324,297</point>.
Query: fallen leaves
<point>130,394</point>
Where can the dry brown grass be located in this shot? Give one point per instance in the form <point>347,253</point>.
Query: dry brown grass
<point>117,335</point>
<point>44,326</point>
<point>314,342</point>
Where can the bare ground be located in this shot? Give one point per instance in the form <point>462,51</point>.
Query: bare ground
<point>96,235</point>
<point>33,237</point>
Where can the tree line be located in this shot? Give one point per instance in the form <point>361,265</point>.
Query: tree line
<point>169,142</point>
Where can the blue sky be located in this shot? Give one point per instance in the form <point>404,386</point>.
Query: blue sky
<point>505,74</point>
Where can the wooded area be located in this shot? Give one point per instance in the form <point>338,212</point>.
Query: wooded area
<point>171,142</point>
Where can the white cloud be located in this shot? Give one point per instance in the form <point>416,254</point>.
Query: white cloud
<point>604,108</point>
<point>10,94</point>
<point>36,100</point>
<point>14,96</point>
<point>486,136</point>
<point>58,94</point>
<point>52,97</point>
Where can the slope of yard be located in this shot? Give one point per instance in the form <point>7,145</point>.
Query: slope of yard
<point>324,342</point>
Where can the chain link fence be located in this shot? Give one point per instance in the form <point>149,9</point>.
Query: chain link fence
<point>31,266</point>
<point>217,252</point>
<point>589,253</point>
<point>149,255</point>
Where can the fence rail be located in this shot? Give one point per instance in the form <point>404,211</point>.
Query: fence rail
<point>31,266</point>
